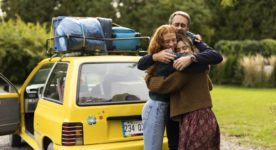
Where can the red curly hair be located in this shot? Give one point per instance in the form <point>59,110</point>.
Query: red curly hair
<point>156,42</point>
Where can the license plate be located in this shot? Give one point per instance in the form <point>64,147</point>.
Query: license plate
<point>132,128</point>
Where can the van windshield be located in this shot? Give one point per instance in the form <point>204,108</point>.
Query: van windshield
<point>106,83</point>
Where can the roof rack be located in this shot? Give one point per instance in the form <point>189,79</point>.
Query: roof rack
<point>51,51</point>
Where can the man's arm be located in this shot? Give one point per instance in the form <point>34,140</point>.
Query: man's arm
<point>148,60</point>
<point>198,62</point>
<point>145,62</point>
<point>207,55</point>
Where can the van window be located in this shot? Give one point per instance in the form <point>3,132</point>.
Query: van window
<point>54,89</point>
<point>106,83</point>
<point>41,75</point>
<point>35,87</point>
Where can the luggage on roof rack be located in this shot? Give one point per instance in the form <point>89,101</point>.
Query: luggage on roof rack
<point>92,34</point>
<point>131,43</point>
<point>106,24</point>
<point>123,37</point>
<point>74,33</point>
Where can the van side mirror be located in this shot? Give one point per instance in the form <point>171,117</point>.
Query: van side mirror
<point>7,88</point>
<point>34,91</point>
<point>32,95</point>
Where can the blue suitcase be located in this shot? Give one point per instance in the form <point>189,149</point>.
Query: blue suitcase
<point>79,30</point>
<point>125,45</point>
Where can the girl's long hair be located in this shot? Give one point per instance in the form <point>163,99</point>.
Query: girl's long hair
<point>187,40</point>
<point>157,42</point>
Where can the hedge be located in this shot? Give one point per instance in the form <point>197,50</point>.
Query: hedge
<point>266,47</point>
<point>232,72</point>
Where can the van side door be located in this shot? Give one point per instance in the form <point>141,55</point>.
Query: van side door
<point>9,108</point>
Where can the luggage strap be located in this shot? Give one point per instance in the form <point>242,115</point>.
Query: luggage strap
<point>83,35</point>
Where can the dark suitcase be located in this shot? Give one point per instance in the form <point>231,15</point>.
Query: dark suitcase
<point>106,24</point>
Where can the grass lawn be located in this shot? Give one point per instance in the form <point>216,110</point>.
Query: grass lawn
<point>246,113</point>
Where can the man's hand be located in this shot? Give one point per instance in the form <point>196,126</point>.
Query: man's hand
<point>182,62</point>
<point>163,56</point>
<point>198,38</point>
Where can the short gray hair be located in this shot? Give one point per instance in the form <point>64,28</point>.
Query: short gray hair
<point>181,13</point>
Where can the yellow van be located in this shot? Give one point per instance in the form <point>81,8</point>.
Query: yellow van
<point>78,103</point>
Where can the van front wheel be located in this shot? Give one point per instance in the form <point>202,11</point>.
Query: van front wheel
<point>15,140</point>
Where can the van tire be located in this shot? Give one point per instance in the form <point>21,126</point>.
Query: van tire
<point>15,140</point>
<point>50,146</point>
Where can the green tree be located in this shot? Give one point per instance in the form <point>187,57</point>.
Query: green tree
<point>147,15</point>
<point>226,3</point>
<point>214,20</point>
<point>43,10</point>
<point>244,19</point>
<point>22,45</point>
<point>142,15</point>
<point>30,10</point>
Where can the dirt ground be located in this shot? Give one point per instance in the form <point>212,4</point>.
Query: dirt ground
<point>227,143</point>
<point>4,144</point>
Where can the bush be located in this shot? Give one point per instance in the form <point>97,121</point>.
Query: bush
<point>217,72</point>
<point>259,71</point>
<point>272,62</point>
<point>266,47</point>
<point>251,47</point>
<point>228,47</point>
<point>253,71</point>
<point>242,58</point>
<point>228,71</point>
<point>21,47</point>
<point>249,71</point>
